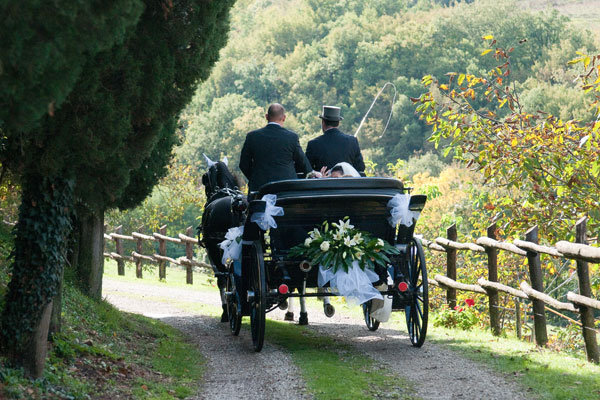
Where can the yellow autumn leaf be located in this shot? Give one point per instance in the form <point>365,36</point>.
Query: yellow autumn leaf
<point>443,86</point>
<point>514,142</point>
<point>483,53</point>
<point>488,37</point>
<point>461,78</point>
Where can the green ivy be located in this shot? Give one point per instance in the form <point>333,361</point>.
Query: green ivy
<point>37,258</point>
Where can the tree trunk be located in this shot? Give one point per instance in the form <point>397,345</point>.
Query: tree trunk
<point>40,246</point>
<point>90,263</point>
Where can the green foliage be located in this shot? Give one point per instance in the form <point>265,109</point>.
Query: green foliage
<point>40,236</point>
<point>305,53</point>
<point>44,47</point>
<point>548,167</point>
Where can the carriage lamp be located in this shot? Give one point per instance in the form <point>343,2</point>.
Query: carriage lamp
<point>283,289</point>
<point>403,286</point>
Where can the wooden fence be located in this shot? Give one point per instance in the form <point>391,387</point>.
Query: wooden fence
<point>161,258</point>
<point>581,303</point>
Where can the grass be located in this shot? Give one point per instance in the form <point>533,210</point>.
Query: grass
<point>103,353</point>
<point>333,370</point>
<point>175,276</point>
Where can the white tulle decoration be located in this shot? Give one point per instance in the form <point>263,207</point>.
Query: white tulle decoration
<point>225,161</point>
<point>232,245</point>
<point>265,219</point>
<point>400,212</point>
<point>355,285</point>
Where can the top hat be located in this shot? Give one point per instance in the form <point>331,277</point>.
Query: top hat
<point>331,113</point>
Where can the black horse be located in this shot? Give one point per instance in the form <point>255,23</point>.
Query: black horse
<point>225,208</point>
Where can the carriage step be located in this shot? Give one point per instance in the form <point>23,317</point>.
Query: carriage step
<point>289,316</point>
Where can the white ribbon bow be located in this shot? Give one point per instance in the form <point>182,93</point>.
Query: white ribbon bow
<point>400,212</point>
<point>232,245</point>
<point>355,285</point>
<point>265,219</point>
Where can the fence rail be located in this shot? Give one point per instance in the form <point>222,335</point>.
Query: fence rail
<point>581,302</point>
<point>161,259</point>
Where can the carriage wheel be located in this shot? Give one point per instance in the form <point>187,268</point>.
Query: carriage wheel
<point>371,322</point>
<point>233,305</point>
<point>418,311</point>
<point>258,287</point>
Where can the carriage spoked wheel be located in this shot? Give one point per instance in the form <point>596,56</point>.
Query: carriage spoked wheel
<point>372,323</point>
<point>418,310</point>
<point>233,304</point>
<point>258,299</point>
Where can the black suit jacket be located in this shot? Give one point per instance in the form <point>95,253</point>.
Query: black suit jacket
<point>333,147</point>
<point>270,154</point>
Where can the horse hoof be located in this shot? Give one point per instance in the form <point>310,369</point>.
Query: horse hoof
<point>303,320</point>
<point>329,310</point>
<point>289,316</point>
<point>225,315</point>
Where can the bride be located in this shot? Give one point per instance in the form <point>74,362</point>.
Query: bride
<point>339,170</point>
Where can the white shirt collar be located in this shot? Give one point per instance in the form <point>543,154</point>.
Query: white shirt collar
<point>274,123</point>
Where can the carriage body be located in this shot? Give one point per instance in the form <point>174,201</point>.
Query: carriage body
<point>266,263</point>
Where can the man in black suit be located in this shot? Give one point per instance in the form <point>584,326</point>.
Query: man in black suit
<point>333,146</point>
<point>272,153</point>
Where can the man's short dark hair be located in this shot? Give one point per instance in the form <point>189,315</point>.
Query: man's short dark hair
<point>333,124</point>
<point>275,111</point>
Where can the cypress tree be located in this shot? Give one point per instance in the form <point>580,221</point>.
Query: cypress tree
<point>44,47</point>
<point>112,138</point>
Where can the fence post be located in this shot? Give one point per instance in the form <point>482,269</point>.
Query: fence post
<point>518,318</point>
<point>162,250</point>
<point>587,314</point>
<point>138,261</point>
<point>492,258</point>
<point>451,266</point>
<point>119,247</point>
<point>189,254</point>
<point>535,274</point>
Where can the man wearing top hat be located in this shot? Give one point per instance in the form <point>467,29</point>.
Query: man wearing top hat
<point>272,153</point>
<point>333,146</point>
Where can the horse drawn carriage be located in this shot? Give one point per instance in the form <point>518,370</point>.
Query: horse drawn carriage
<point>267,274</point>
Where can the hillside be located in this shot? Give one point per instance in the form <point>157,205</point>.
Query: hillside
<point>306,53</point>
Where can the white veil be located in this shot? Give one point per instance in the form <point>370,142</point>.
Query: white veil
<point>348,170</point>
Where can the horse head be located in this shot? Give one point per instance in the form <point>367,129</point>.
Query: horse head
<point>218,177</point>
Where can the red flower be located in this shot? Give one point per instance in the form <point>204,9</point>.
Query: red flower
<point>459,309</point>
<point>470,302</point>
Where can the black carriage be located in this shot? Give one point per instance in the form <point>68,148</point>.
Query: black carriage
<point>254,284</point>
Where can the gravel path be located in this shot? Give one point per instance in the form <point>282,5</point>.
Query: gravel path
<point>236,372</point>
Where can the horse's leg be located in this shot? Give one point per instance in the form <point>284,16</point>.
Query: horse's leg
<point>303,320</point>
<point>222,284</point>
<point>289,315</point>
